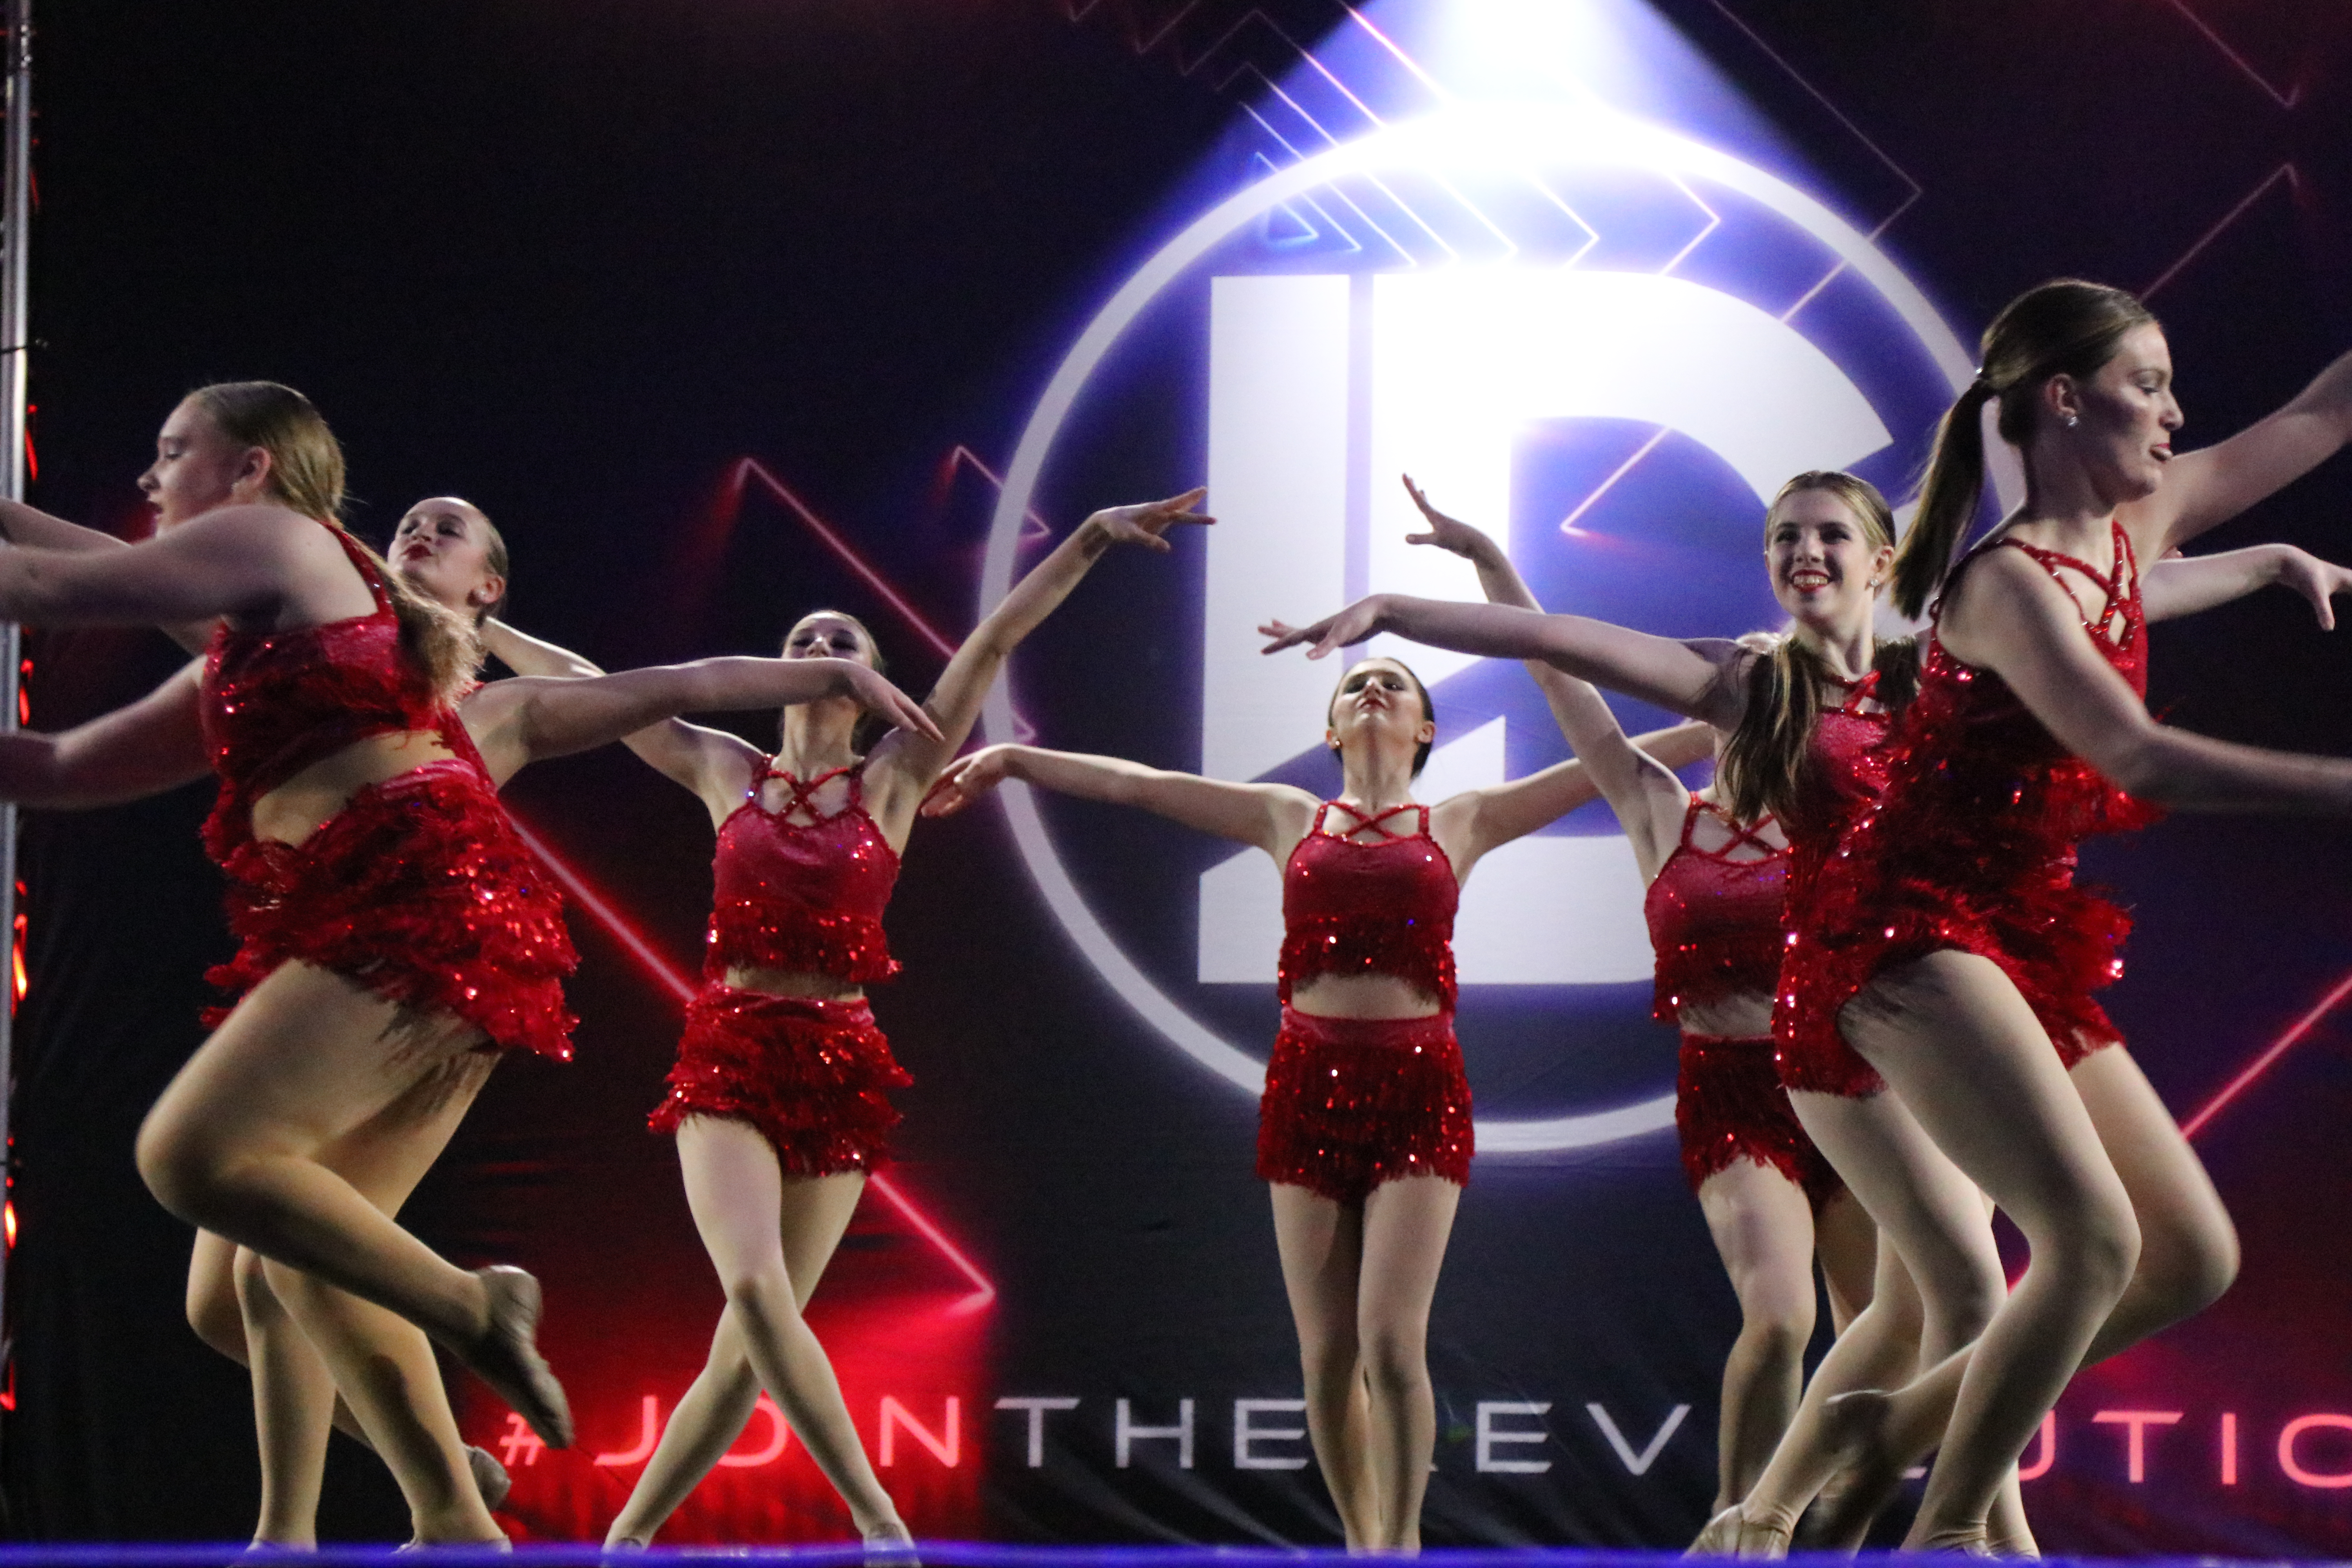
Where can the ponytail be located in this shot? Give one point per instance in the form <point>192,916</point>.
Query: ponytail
<point>2065,326</point>
<point>1947,502</point>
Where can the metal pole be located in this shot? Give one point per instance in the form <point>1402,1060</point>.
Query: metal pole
<point>15,222</point>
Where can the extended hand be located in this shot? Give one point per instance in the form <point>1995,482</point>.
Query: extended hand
<point>1446,532</point>
<point>965,780</point>
<point>2318,581</point>
<point>1144,522</point>
<point>1356,623</point>
<point>867,687</point>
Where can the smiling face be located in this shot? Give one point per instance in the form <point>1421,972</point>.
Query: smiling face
<point>1381,699</point>
<point>447,550</point>
<point>1826,562</point>
<point>198,467</point>
<point>2124,415</point>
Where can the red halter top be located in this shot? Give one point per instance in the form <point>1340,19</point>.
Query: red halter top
<point>1715,917</point>
<point>806,896</point>
<point>272,703</point>
<point>1375,906</point>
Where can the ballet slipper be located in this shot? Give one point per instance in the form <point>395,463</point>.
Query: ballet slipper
<point>490,1477</point>
<point>506,1359</point>
<point>888,1540</point>
<point>1965,1540</point>
<point>1732,1533</point>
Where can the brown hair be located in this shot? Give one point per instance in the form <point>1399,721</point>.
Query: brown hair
<point>1764,761</point>
<point>494,556</point>
<point>306,475</point>
<point>1428,708</point>
<point>2065,326</point>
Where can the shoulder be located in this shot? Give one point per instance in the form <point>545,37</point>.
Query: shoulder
<point>259,526</point>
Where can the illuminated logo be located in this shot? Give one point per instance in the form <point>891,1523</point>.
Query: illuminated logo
<point>1632,284</point>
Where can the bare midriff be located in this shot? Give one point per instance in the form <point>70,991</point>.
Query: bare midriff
<point>793,982</point>
<point>1362,996</point>
<point>309,800</point>
<point>1742,1017</point>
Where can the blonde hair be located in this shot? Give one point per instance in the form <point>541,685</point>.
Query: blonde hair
<point>306,475</point>
<point>1764,762</point>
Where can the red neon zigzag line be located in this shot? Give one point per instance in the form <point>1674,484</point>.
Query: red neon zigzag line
<point>2270,1056</point>
<point>674,981</point>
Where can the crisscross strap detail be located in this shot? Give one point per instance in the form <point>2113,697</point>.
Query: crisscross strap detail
<point>1364,820</point>
<point>803,794</point>
<point>2120,585</point>
<point>1858,692</point>
<point>1743,836</point>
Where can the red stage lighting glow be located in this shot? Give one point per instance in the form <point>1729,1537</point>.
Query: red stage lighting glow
<point>2262,1064</point>
<point>680,985</point>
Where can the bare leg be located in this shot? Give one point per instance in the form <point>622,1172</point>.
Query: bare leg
<point>743,1204</point>
<point>1958,1044</point>
<point>1938,1283</point>
<point>715,1407</point>
<point>1322,1246</point>
<point>216,1313</point>
<point>1847,1244</point>
<point>234,1146</point>
<point>1763,1229</point>
<point>294,1395</point>
<point>1406,1226</point>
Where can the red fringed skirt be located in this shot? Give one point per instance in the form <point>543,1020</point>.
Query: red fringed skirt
<point>419,890</point>
<point>1729,1105</point>
<point>1352,1102</point>
<point>811,1074</point>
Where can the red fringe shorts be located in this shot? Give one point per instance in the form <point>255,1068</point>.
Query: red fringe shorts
<point>814,1075</point>
<point>1352,1102</point>
<point>1729,1105</point>
<point>419,890</point>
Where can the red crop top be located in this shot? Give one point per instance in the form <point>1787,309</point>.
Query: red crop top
<point>1715,917</point>
<point>806,896</point>
<point>1380,906</point>
<point>272,703</point>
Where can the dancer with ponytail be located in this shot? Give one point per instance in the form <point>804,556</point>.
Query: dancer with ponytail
<point>1942,947</point>
<point>1364,1132</point>
<point>1716,890</point>
<point>394,934</point>
<point>780,1099</point>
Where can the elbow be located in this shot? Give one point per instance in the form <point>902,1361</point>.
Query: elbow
<point>2137,765</point>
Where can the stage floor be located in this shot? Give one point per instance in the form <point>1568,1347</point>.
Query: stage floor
<point>933,1553</point>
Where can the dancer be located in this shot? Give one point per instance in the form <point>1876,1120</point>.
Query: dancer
<point>1974,1018</point>
<point>392,926</point>
<point>1714,908</point>
<point>780,1098</point>
<point>1364,1175</point>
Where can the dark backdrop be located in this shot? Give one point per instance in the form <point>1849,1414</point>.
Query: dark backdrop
<point>576,260</point>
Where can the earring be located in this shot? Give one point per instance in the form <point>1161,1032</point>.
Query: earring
<point>2072,421</point>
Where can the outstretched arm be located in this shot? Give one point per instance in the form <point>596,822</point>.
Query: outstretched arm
<point>1698,679</point>
<point>28,526</point>
<point>2185,584</point>
<point>527,654</point>
<point>2008,616</point>
<point>711,762</point>
<point>1272,816</point>
<point>1641,788</point>
<point>150,746</point>
<point>538,717</point>
<point>903,766</point>
<point>240,561</point>
<point>1650,800</point>
<point>2211,486</point>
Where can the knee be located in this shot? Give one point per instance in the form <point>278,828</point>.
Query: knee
<point>2104,1251</point>
<point>1395,1356</point>
<point>214,1314</point>
<point>1776,1326</point>
<point>2188,1265</point>
<point>762,1297</point>
<point>1329,1359</point>
<point>186,1171</point>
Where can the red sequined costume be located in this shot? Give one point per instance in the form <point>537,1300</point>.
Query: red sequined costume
<point>417,888</point>
<point>1974,848</point>
<point>813,1074</point>
<point>1352,1102</point>
<point>1715,923</point>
